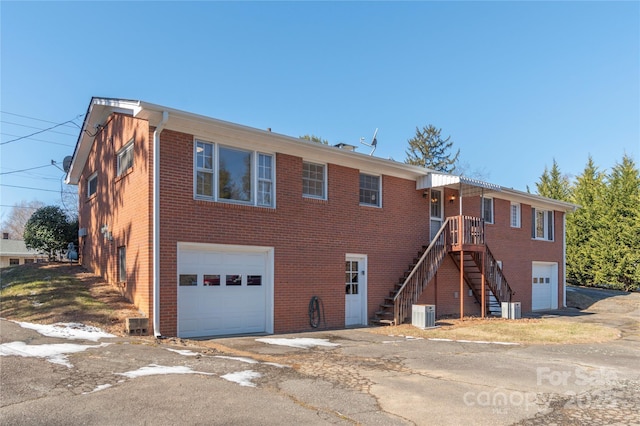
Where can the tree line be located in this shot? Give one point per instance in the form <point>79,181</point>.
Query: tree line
<point>603,235</point>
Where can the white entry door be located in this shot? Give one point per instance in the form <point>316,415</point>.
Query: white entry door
<point>436,212</point>
<point>544,286</point>
<point>355,290</point>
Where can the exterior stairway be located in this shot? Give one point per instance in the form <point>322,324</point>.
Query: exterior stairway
<point>462,237</point>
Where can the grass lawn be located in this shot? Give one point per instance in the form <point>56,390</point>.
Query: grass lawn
<point>51,293</point>
<point>524,331</point>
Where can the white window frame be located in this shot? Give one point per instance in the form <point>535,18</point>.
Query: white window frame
<point>515,215</point>
<point>379,197</point>
<point>547,225</point>
<point>125,153</point>
<point>93,177</point>
<point>269,180</point>
<point>323,196</point>
<point>492,219</point>
<point>256,178</point>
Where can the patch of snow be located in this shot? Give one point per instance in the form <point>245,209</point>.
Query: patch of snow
<point>243,378</point>
<point>68,330</point>
<point>98,388</point>
<point>299,342</point>
<point>413,338</point>
<point>55,353</point>
<point>154,369</point>
<point>275,364</point>
<point>184,352</point>
<point>481,342</point>
<point>238,358</point>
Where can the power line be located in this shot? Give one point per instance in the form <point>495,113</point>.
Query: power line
<point>29,187</point>
<point>34,127</point>
<point>36,119</point>
<point>25,170</point>
<point>41,131</point>
<point>38,140</point>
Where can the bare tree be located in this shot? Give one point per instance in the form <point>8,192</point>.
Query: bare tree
<point>18,217</point>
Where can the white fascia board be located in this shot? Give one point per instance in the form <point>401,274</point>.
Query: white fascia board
<point>538,200</point>
<point>224,132</point>
<point>97,112</point>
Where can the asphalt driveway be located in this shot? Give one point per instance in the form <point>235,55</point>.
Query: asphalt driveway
<point>326,377</point>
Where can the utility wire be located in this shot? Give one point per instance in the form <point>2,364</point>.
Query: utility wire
<point>29,187</point>
<point>34,127</point>
<point>38,140</point>
<point>25,170</point>
<point>36,119</point>
<point>41,131</point>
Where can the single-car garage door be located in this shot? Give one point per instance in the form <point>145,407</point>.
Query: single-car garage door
<point>224,290</point>
<point>544,286</point>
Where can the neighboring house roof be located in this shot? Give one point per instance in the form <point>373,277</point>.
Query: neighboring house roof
<point>201,126</point>
<point>17,248</point>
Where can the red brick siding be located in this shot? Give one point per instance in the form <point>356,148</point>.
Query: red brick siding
<point>310,237</point>
<point>123,204</point>
<point>513,246</point>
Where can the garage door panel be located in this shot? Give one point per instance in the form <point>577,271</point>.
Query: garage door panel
<point>236,297</point>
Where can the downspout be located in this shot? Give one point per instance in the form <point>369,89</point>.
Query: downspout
<point>564,259</point>
<point>156,223</point>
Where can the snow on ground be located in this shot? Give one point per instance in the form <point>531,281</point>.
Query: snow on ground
<point>55,353</point>
<point>184,352</point>
<point>68,330</point>
<point>98,388</point>
<point>299,342</point>
<point>243,378</point>
<point>238,358</point>
<point>482,342</point>
<point>154,369</point>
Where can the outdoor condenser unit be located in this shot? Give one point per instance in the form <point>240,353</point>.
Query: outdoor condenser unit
<point>511,310</point>
<point>423,316</point>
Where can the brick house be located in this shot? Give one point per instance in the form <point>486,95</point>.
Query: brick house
<point>214,228</point>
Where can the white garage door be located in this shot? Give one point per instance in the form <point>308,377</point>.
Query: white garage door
<point>224,290</point>
<point>544,286</point>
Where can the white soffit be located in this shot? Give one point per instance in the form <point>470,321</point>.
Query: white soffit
<point>436,180</point>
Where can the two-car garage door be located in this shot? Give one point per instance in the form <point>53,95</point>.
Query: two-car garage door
<point>224,290</point>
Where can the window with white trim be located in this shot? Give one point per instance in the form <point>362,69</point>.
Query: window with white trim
<point>125,158</point>
<point>314,180</point>
<point>515,215</point>
<point>230,174</point>
<point>369,190</point>
<point>541,224</point>
<point>487,210</point>
<point>265,179</point>
<point>92,185</point>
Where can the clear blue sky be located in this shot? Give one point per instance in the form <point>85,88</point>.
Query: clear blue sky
<point>515,84</point>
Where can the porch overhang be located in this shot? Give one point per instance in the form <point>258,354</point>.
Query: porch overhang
<point>466,186</point>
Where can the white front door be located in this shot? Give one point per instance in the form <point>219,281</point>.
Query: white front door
<point>544,286</point>
<point>355,290</point>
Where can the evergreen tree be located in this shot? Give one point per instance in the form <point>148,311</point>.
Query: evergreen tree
<point>617,252</point>
<point>428,149</point>
<point>585,224</point>
<point>314,138</point>
<point>553,184</point>
<point>50,230</point>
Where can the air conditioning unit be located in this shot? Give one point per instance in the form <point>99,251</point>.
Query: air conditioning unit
<point>423,316</point>
<point>511,310</point>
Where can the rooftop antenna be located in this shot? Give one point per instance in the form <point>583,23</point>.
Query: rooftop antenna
<point>373,144</point>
